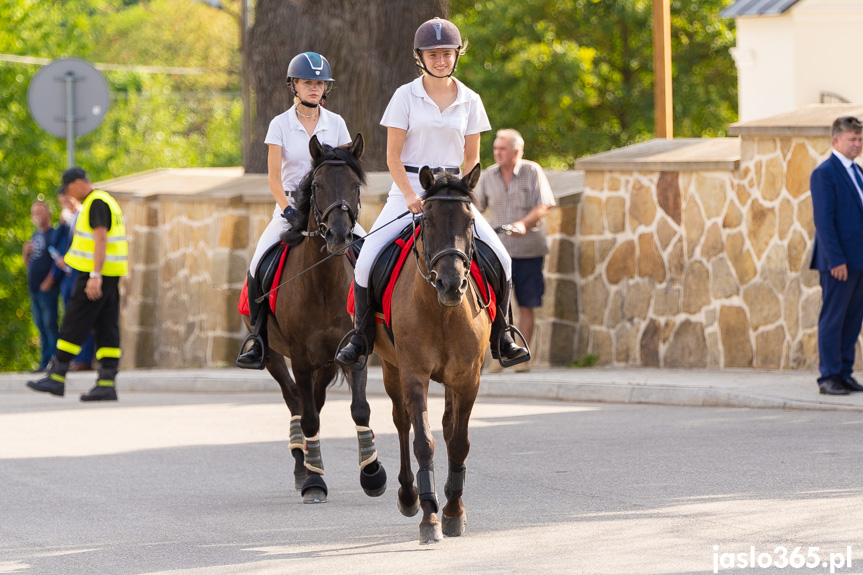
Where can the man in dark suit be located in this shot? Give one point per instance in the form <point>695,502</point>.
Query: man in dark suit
<point>837,199</point>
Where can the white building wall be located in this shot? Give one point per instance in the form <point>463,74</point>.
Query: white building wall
<point>765,66</point>
<point>786,62</point>
<point>828,42</point>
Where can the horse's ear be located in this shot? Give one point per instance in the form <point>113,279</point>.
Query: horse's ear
<point>426,177</point>
<point>472,177</point>
<point>357,146</point>
<point>315,148</point>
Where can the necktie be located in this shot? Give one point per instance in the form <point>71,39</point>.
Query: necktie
<point>856,171</point>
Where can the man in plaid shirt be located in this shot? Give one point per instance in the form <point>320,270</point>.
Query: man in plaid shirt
<point>515,196</point>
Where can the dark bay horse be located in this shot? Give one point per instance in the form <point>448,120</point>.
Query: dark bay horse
<point>311,316</point>
<point>441,332</point>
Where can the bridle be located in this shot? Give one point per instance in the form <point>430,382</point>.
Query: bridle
<point>321,217</point>
<point>430,261</point>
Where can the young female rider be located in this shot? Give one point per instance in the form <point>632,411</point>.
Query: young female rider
<point>433,121</point>
<point>289,159</point>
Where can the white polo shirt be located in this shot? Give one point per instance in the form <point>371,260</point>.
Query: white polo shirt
<point>434,138</point>
<point>287,132</point>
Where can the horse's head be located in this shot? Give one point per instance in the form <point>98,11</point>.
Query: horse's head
<point>447,232</point>
<point>334,190</point>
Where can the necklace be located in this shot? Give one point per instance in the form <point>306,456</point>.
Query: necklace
<point>305,116</point>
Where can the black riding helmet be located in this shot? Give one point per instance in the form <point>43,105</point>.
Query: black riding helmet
<point>310,66</point>
<point>439,34</point>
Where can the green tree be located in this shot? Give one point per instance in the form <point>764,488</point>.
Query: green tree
<point>576,76</point>
<point>155,120</point>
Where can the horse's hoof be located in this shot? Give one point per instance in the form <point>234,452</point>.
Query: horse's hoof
<point>300,480</point>
<point>314,495</point>
<point>314,489</point>
<point>410,511</point>
<point>430,534</point>
<point>374,483</point>
<point>454,526</point>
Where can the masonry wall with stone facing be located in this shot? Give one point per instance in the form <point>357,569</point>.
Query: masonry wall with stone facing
<point>699,258</point>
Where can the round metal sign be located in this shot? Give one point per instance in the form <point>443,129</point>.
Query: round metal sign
<point>60,80</point>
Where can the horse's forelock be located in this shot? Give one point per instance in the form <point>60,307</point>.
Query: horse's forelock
<point>304,192</point>
<point>447,184</point>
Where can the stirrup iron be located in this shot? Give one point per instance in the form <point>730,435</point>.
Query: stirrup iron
<point>511,362</point>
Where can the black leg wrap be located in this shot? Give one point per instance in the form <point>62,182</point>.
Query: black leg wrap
<point>454,481</point>
<point>425,485</point>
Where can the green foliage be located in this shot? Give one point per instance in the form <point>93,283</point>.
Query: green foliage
<point>576,76</point>
<point>154,120</point>
<point>588,360</point>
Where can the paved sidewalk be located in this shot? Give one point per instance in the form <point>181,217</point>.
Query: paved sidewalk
<point>747,388</point>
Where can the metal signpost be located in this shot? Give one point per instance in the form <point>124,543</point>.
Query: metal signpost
<point>68,97</point>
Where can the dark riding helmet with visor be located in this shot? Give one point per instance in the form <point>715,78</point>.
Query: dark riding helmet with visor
<point>310,66</point>
<point>437,34</point>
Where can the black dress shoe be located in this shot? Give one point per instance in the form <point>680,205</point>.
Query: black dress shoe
<point>101,393</point>
<point>851,384</point>
<point>48,385</point>
<point>832,386</point>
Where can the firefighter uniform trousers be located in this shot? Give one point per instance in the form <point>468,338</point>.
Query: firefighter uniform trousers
<point>102,317</point>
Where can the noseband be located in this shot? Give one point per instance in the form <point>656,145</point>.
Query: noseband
<point>430,261</point>
<point>321,217</point>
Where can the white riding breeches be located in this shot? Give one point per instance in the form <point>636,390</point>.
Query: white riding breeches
<point>385,230</point>
<point>273,232</point>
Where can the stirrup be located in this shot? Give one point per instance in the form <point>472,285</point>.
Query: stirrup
<point>356,365</point>
<point>511,362</point>
<point>249,365</point>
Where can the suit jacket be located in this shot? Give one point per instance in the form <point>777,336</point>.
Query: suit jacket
<point>838,214</point>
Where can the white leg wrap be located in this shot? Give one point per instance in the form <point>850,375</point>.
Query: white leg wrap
<point>366,439</point>
<point>313,460</point>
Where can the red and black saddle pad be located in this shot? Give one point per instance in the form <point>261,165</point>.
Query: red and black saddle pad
<point>391,260</point>
<point>269,273</point>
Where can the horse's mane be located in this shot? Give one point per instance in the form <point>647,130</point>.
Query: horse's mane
<point>300,222</point>
<point>450,182</point>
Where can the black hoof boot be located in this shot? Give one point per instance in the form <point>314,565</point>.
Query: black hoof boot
<point>373,482</point>
<point>314,489</point>
<point>255,358</point>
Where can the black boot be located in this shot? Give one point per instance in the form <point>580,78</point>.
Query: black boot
<point>503,348</point>
<point>105,389</point>
<point>256,357</point>
<point>54,381</point>
<point>363,338</point>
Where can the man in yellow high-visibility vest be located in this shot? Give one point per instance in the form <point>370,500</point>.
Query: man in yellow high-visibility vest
<point>100,251</point>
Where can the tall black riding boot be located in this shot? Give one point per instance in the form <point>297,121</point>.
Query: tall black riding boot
<point>256,357</point>
<point>503,348</point>
<point>363,339</point>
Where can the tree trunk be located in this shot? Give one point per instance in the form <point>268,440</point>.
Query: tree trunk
<point>369,46</point>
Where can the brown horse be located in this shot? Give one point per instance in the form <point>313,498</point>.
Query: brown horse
<point>311,316</point>
<point>441,332</point>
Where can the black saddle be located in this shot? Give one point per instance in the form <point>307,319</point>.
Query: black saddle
<point>267,267</point>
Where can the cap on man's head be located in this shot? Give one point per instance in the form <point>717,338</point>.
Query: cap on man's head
<point>70,176</point>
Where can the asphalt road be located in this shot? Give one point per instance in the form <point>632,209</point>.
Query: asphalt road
<point>187,484</point>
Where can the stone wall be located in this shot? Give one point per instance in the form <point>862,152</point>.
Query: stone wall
<point>192,233</point>
<point>695,253</point>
